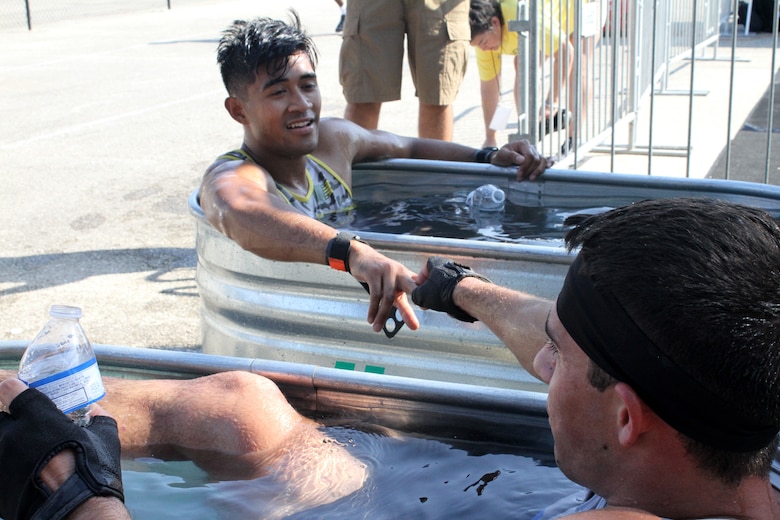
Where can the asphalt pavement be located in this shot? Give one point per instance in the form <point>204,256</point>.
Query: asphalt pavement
<point>108,123</point>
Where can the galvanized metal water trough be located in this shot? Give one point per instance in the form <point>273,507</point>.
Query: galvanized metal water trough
<point>307,313</point>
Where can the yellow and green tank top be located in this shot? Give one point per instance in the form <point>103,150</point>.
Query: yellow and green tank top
<point>328,198</point>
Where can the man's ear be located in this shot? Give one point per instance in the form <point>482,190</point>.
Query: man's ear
<point>235,108</point>
<point>634,417</point>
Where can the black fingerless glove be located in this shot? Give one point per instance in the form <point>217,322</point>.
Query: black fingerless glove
<point>436,292</point>
<point>30,436</point>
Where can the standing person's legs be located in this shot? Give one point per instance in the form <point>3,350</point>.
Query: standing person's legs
<point>371,58</point>
<point>436,121</point>
<point>343,10</point>
<point>438,44</point>
<point>364,114</point>
<point>587,62</point>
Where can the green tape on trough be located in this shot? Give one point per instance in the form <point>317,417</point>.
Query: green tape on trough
<point>375,370</point>
<point>344,365</point>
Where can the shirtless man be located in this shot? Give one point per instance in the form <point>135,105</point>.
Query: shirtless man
<point>661,354</point>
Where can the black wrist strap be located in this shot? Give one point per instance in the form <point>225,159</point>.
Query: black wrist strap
<point>337,255</point>
<point>68,497</point>
<point>32,433</point>
<point>485,154</point>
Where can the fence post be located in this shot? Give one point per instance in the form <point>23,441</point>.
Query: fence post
<point>770,123</point>
<point>27,12</point>
<point>526,27</point>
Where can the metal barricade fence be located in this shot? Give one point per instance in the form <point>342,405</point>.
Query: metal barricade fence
<point>623,56</point>
<point>599,90</point>
<point>623,53</point>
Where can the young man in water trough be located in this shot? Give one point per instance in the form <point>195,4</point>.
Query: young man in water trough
<point>662,355</point>
<point>284,192</point>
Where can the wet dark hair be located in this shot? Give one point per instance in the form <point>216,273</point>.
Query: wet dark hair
<point>480,14</point>
<point>701,278</point>
<point>246,46</point>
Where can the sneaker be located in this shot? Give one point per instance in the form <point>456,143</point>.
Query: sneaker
<point>567,146</point>
<point>340,26</point>
<point>558,120</point>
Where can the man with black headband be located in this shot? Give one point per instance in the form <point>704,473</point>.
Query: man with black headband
<point>662,355</point>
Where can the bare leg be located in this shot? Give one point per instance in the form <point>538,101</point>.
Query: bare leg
<point>563,64</point>
<point>235,425</point>
<point>435,122</point>
<point>364,114</point>
<point>237,412</point>
<point>232,412</point>
<point>340,26</point>
<point>490,92</point>
<point>588,49</point>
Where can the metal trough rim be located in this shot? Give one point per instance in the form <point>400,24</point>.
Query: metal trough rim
<point>581,176</point>
<point>531,251</point>
<point>323,389</point>
<point>506,402</point>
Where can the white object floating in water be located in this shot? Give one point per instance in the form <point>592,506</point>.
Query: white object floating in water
<point>486,198</point>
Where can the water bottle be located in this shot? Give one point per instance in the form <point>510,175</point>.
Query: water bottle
<point>486,198</point>
<point>60,363</point>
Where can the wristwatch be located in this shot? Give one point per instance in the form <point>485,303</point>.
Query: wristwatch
<point>485,154</point>
<point>337,255</point>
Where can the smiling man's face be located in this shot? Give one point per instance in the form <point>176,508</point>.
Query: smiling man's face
<point>282,112</point>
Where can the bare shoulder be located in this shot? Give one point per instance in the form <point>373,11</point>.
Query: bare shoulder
<point>337,132</point>
<point>340,142</point>
<point>338,124</point>
<point>234,168</point>
<point>227,183</point>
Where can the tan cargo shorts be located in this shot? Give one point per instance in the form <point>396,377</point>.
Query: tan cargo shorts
<point>371,59</point>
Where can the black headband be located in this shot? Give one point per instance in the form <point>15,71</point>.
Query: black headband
<point>608,335</point>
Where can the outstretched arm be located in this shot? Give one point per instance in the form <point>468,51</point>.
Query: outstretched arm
<point>240,200</point>
<point>377,145</point>
<point>516,318</point>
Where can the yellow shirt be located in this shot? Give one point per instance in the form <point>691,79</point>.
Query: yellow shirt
<point>489,62</point>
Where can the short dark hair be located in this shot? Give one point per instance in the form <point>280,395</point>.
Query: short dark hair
<point>246,46</point>
<point>701,278</point>
<point>480,14</point>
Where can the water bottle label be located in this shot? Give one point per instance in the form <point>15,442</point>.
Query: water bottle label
<point>74,388</point>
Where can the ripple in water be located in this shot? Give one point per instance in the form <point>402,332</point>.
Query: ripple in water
<point>451,216</point>
<point>409,477</point>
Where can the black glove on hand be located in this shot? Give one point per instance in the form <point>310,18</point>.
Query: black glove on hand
<point>30,436</point>
<point>436,292</point>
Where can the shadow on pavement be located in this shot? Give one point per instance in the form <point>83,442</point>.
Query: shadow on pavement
<point>35,272</point>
